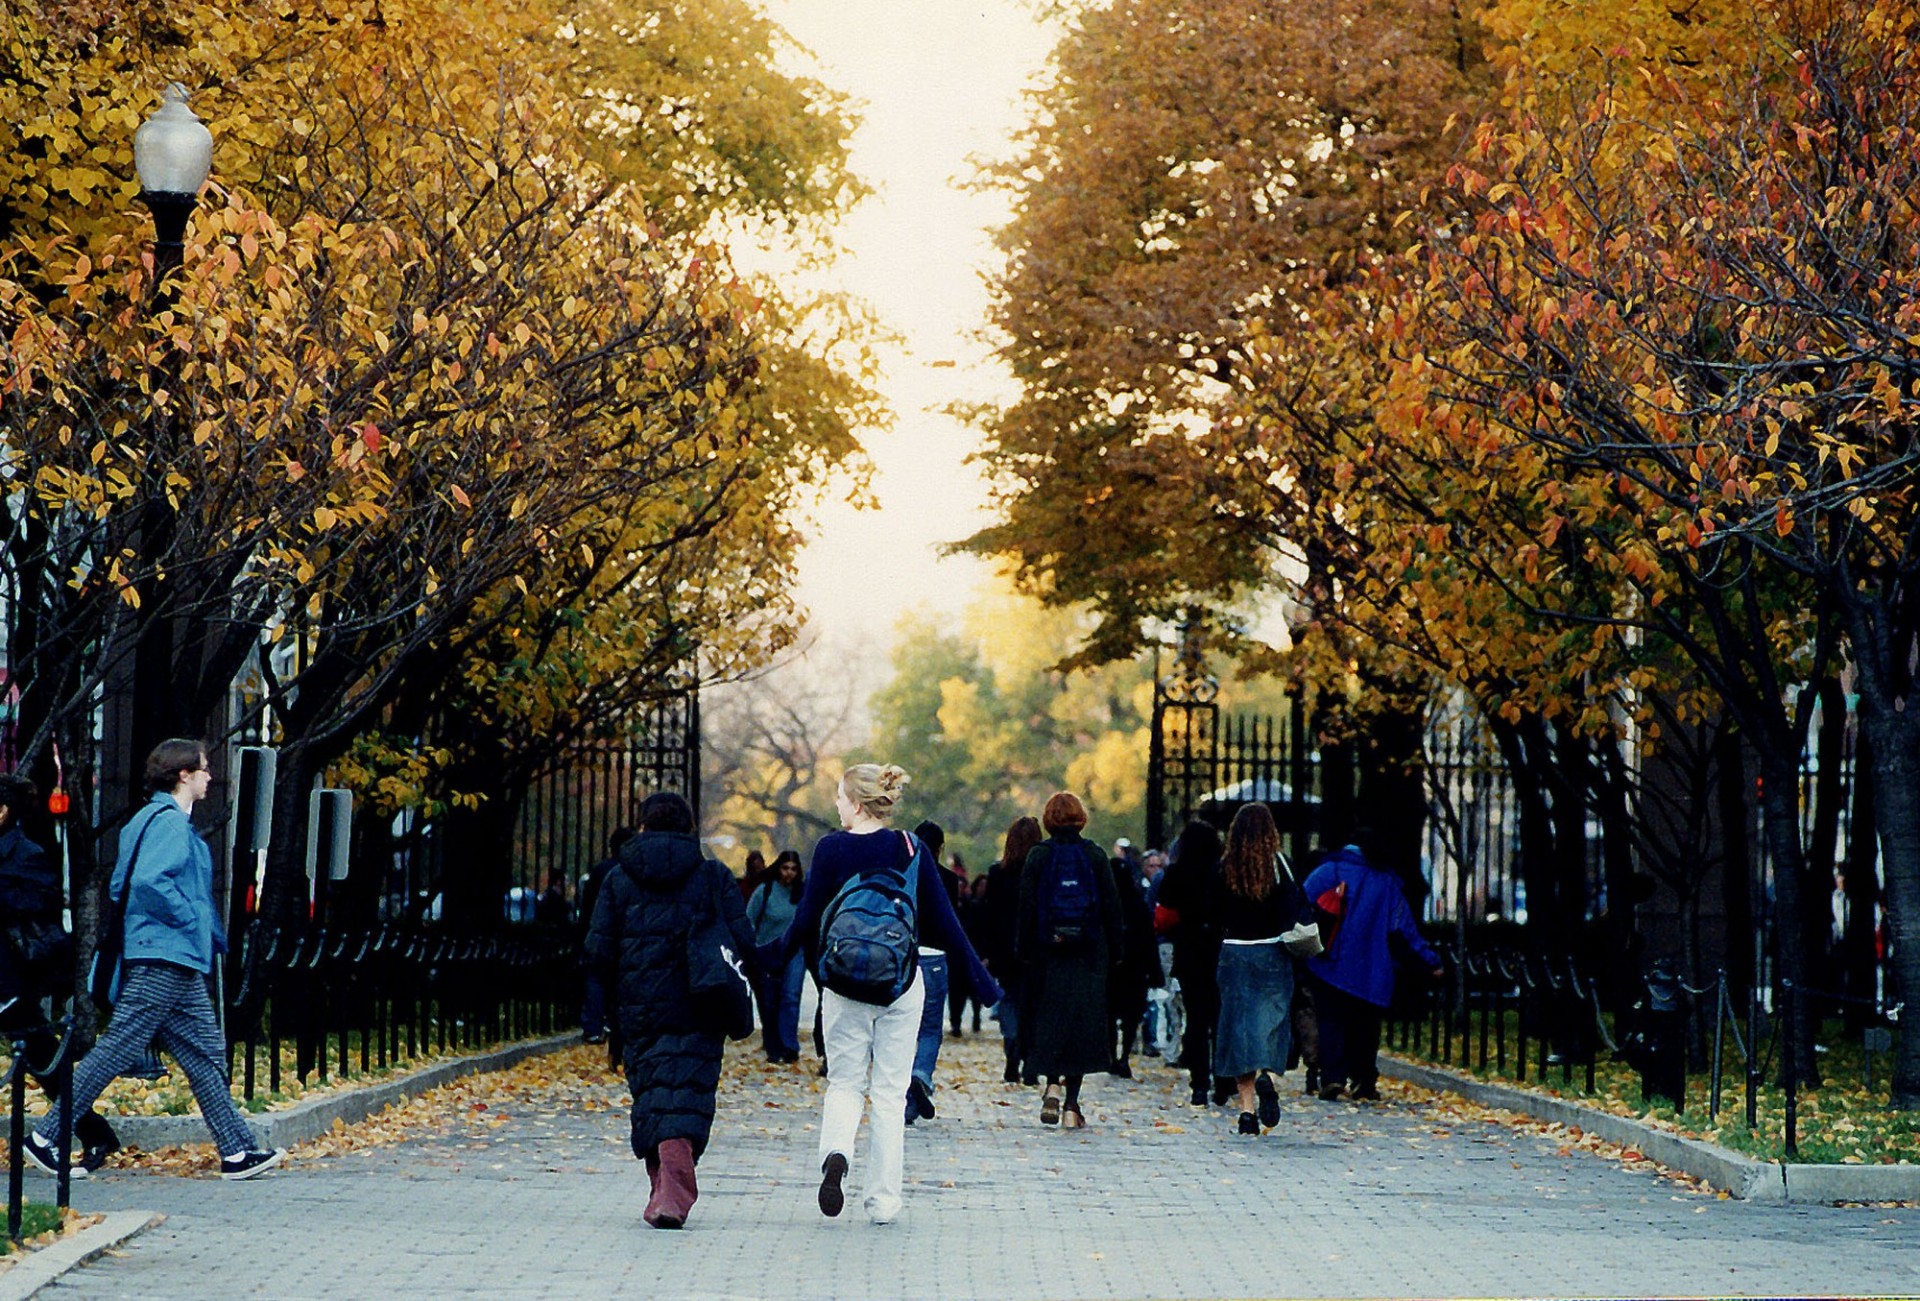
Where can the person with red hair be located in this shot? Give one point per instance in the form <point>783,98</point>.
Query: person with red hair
<point>1067,940</point>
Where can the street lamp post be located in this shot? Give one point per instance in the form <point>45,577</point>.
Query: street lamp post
<point>173,153</point>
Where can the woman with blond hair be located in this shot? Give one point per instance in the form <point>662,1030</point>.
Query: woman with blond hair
<point>871,896</point>
<point>1068,939</point>
<point>1256,901</point>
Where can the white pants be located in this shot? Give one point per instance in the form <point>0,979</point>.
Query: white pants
<point>870,1058</point>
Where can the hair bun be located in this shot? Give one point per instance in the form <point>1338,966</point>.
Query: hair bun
<point>893,777</point>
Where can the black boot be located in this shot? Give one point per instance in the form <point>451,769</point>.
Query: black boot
<point>1012,1075</point>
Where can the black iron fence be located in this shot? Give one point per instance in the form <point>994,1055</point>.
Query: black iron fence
<point>571,810</point>
<point>1515,1016</point>
<point>319,1003</point>
<point>57,1071</point>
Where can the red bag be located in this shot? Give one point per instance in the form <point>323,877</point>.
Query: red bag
<point>1333,910</point>
<point>1164,919</point>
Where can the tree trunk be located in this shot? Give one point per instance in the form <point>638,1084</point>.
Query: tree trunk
<point>1393,792</point>
<point>1780,813</point>
<point>1823,845</point>
<point>1736,871</point>
<point>1622,933</point>
<point>1894,743</point>
<point>1859,964</point>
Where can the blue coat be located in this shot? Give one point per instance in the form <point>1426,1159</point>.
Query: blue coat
<point>1360,961</point>
<point>171,913</point>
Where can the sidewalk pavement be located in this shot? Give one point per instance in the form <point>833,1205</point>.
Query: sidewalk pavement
<point>1154,1199</point>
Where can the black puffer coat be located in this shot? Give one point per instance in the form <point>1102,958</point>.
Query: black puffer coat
<point>647,905</point>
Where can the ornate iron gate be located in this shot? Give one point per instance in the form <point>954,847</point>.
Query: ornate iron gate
<point>1206,764</point>
<point>574,808</point>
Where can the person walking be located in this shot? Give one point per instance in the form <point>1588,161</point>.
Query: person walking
<point>36,958</point>
<point>770,912</point>
<point>1187,892</point>
<point>754,874</point>
<point>163,883</point>
<point>1138,969</point>
<point>857,870</point>
<point>1003,929</point>
<point>593,1000</point>
<point>661,890</point>
<point>1256,901</point>
<point>935,974</point>
<point>1353,978</point>
<point>973,919</point>
<point>1069,938</point>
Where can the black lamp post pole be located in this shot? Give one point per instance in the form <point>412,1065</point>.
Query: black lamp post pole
<point>170,214</point>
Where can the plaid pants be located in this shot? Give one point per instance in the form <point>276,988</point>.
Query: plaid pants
<point>158,999</point>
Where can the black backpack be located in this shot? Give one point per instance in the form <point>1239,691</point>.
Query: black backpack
<point>870,933</point>
<point>1069,898</point>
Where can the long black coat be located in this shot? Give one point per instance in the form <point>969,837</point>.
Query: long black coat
<point>646,908</point>
<point>1066,1010</point>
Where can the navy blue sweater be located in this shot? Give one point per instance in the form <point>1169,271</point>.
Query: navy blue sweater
<point>841,855</point>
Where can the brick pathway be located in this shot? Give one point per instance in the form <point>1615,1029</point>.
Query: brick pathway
<point>1152,1200</point>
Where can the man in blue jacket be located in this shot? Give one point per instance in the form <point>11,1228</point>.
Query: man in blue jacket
<point>164,873</point>
<point>1354,976</point>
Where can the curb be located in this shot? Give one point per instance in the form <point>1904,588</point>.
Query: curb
<point>49,1263</point>
<point>315,1116</point>
<point>1729,1172</point>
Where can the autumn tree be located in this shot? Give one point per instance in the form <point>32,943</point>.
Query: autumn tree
<point>1688,324</point>
<point>495,406</point>
<point>1192,168</point>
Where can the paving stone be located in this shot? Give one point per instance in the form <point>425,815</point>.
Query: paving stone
<point>1154,1199</point>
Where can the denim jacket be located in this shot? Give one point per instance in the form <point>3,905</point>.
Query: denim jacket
<point>171,914</point>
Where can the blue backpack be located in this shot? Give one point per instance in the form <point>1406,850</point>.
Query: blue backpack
<point>869,934</point>
<point>1069,898</point>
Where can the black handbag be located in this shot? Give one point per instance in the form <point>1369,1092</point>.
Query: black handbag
<point>113,936</point>
<point>717,982</point>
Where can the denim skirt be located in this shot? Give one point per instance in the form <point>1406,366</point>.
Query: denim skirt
<point>1256,995</point>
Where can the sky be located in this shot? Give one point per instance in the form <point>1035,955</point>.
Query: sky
<point>937,82</point>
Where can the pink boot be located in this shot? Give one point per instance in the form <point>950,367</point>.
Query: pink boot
<point>670,1171</point>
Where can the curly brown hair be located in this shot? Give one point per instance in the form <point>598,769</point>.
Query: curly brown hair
<point>1253,847</point>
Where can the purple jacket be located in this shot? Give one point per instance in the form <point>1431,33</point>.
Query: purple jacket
<point>1360,961</point>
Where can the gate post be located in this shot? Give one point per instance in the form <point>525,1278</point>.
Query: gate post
<point>1184,699</point>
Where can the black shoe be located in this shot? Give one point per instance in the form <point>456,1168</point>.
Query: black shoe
<point>246,1165</point>
<point>919,1101</point>
<point>832,1171</point>
<point>1199,1097</point>
<point>1313,1080</point>
<point>1249,1125</point>
<point>594,1037</point>
<point>1221,1092</point>
<point>94,1157</point>
<point>1367,1094</point>
<point>46,1157</point>
<point>668,1222</point>
<point>1012,1073</point>
<point>1121,1070</point>
<point>1331,1091</point>
<point>1269,1101</point>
